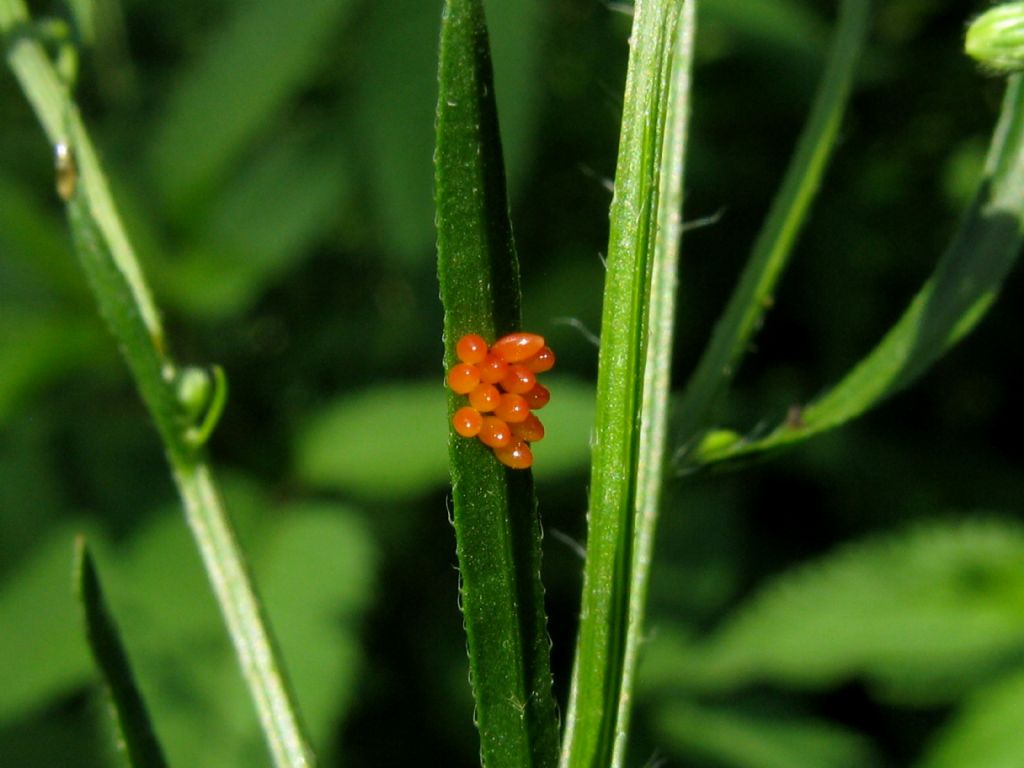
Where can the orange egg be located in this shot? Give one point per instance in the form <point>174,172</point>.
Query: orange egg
<point>518,380</point>
<point>516,454</point>
<point>543,361</point>
<point>494,432</point>
<point>467,421</point>
<point>512,408</point>
<point>516,347</point>
<point>471,348</point>
<point>492,369</point>
<point>485,397</point>
<point>537,397</point>
<point>529,429</point>
<point>463,378</point>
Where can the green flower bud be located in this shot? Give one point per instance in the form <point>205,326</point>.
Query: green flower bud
<point>194,388</point>
<point>718,441</point>
<point>202,394</point>
<point>996,38</point>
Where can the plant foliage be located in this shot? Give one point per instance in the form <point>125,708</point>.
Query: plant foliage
<point>286,187</point>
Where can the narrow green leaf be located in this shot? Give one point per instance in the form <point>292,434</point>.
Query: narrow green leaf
<point>131,720</point>
<point>658,369</point>
<point>591,726</point>
<point>496,525</point>
<point>952,302</point>
<point>753,294</point>
<point>924,614</point>
<point>122,296</point>
<point>742,740</point>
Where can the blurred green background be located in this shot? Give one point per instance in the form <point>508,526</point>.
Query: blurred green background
<point>272,159</point>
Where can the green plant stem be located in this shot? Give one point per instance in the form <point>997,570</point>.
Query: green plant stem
<point>126,305</point>
<point>497,530</point>
<point>658,370</point>
<point>597,683</point>
<point>753,294</point>
<point>244,614</point>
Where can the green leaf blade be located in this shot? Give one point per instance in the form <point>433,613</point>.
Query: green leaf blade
<point>952,302</point>
<point>496,525</point>
<point>136,734</point>
<point>753,294</point>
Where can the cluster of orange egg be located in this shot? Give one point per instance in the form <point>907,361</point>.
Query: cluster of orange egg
<point>501,385</point>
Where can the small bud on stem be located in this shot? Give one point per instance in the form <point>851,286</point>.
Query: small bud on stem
<point>996,38</point>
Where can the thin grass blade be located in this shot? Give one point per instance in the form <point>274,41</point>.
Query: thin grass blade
<point>137,737</point>
<point>494,510</point>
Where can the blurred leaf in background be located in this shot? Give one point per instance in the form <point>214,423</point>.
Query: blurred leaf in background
<point>407,456</point>
<point>922,617</point>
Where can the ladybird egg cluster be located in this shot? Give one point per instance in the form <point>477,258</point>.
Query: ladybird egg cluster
<point>502,388</point>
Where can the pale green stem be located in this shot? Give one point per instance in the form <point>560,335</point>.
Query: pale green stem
<point>658,371</point>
